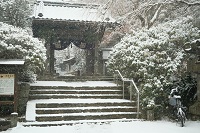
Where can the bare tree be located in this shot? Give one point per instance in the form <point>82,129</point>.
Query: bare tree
<point>137,14</point>
<point>150,12</point>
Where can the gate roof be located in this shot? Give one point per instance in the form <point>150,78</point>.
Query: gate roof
<point>64,11</point>
<point>61,23</point>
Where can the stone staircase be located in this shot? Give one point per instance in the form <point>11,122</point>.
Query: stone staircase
<point>77,92</point>
<point>60,105</point>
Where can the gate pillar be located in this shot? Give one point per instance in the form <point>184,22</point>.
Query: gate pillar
<point>90,59</point>
<point>50,59</point>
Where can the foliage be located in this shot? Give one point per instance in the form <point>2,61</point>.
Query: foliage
<point>187,87</point>
<point>16,43</point>
<point>15,12</point>
<point>6,110</point>
<point>154,57</point>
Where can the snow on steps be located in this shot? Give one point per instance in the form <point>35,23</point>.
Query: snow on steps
<point>49,105</point>
<point>84,92</point>
<point>69,78</point>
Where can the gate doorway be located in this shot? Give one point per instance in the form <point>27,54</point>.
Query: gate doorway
<point>70,61</point>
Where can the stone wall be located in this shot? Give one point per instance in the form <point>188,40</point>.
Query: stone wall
<point>195,108</point>
<point>23,93</point>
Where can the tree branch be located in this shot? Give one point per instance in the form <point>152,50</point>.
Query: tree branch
<point>188,3</point>
<point>154,18</point>
<point>141,19</point>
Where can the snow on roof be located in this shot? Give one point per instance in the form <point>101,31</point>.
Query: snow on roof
<point>69,12</point>
<point>12,62</point>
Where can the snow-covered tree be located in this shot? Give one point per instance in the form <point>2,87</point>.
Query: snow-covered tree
<point>154,57</point>
<point>15,12</point>
<point>16,43</point>
<point>146,13</point>
<point>137,14</point>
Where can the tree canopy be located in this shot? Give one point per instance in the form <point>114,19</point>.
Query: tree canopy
<point>15,12</point>
<point>16,43</point>
<point>154,57</point>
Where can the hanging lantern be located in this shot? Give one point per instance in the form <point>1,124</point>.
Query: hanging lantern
<point>41,6</point>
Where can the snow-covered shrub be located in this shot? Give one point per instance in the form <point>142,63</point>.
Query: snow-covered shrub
<point>15,12</point>
<point>16,43</point>
<point>151,104</point>
<point>154,57</point>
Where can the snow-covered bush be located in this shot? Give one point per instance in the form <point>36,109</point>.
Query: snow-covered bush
<point>151,105</point>
<point>15,12</point>
<point>16,43</point>
<point>153,57</point>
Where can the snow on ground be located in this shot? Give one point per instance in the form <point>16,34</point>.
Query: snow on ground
<point>99,127</point>
<point>74,84</point>
<point>114,127</point>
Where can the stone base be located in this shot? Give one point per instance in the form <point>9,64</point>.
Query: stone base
<point>4,125</point>
<point>150,115</point>
<point>195,108</point>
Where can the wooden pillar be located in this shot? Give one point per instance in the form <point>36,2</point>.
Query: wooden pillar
<point>90,57</point>
<point>96,60</point>
<point>50,59</point>
<point>15,93</point>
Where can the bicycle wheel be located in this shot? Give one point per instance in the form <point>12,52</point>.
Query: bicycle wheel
<point>181,117</point>
<point>182,121</point>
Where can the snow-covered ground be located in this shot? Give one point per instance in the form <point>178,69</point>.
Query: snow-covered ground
<point>114,127</point>
<point>139,126</point>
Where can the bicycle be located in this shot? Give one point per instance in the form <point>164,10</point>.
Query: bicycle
<point>175,101</point>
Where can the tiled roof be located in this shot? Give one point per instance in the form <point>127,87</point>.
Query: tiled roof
<point>70,12</point>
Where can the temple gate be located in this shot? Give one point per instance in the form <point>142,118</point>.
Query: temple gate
<point>61,24</point>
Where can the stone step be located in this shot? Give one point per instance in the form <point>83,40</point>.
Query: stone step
<point>85,110</point>
<point>78,103</point>
<point>75,88</point>
<point>84,104</point>
<point>77,78</point>
<point>72,96</point>
<point>86,116</point>
<point>50,91</point>
<point>86,78</point>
